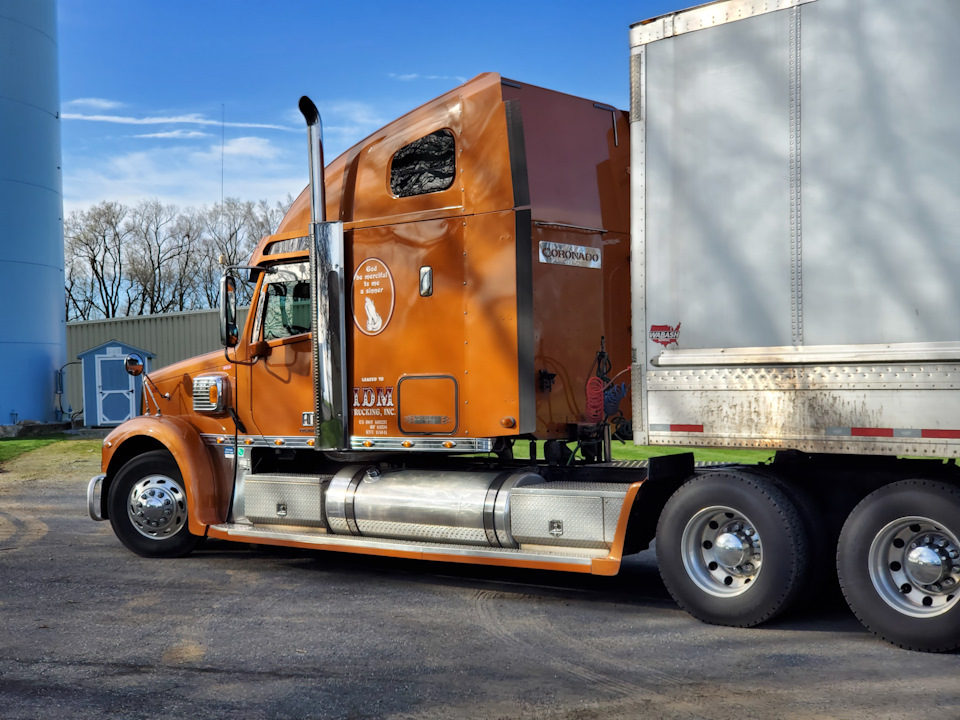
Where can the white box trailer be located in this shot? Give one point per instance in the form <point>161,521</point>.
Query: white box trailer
<point>796,226</point>
<point>795,255</point>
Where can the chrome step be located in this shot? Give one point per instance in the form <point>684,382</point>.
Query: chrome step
<point>430,550</point>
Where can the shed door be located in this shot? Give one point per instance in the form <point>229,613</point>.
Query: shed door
<point>115,391</point>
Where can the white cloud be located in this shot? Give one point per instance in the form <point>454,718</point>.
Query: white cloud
<point>176,135</point>
<point>253,170</point>
<point>410,77</point>
<point>93,103</point>
<point>253,147</point>
<point>188,119</point>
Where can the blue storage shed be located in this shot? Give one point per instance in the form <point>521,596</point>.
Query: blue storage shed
<point>110,395</point>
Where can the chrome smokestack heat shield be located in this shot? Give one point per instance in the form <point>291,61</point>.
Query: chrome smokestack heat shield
<point>328,294</point>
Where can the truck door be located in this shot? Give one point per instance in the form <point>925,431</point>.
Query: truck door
<point>281,385</point>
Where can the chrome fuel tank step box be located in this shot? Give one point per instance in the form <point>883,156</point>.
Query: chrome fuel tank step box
<point>291,500</point>
<point>566,514</point>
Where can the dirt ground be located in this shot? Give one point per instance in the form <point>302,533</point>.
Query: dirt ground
<point>89,630</point>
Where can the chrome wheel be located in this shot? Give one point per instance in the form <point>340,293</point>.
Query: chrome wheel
<point>914,565</point>
<point>722,551</point>
<point>157,507</point>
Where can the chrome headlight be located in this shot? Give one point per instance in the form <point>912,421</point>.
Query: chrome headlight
<point>209,393</point>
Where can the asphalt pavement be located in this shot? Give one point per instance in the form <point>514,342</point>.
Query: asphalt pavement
<point>89,630</point>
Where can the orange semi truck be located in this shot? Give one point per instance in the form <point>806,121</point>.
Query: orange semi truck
<point>471,280</point>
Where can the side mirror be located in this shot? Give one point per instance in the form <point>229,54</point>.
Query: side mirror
<point>133,364</point>
<point>229,334</point>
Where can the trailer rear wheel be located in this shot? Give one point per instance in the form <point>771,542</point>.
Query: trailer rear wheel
<point>732,548</point>
<point>898,561</point>
<point>148,507</point>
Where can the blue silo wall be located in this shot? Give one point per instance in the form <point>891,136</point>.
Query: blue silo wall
<point>33,341</point>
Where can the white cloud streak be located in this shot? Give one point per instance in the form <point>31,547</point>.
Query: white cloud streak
<point>188,119</point>
<point>93,103</point>
<point>176,135</point>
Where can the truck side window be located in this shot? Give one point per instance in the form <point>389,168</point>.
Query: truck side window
<point>424,166</point>
<point>286,302</point>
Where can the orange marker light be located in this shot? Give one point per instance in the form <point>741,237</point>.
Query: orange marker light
<point>449,444</point>
<point>508,422</point>
<point>248,441</point>
<point>407,444</point>
<point>311,442</point>
<point>220,441</point>
<point>213,394</point>
<point>278,441</point>
<point>368,443</point>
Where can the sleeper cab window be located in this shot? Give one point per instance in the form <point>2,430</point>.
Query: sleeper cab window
<point>427,165</point>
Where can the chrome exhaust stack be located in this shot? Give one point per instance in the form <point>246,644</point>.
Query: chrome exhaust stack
<point>328,300</point>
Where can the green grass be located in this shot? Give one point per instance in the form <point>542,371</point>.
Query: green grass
<point>12,447</point>
<point>629,451</point>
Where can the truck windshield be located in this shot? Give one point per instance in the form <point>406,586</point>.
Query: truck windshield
<point>285,301</point>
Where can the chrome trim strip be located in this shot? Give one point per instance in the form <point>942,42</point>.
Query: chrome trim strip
<point>333,542</point>
<point>94,501</point>
<point>418,443</point>
<point>328,294</point>
<point>704,16</point>
<point>810,354</point>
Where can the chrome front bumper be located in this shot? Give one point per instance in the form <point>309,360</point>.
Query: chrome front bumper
<point>93,496</point>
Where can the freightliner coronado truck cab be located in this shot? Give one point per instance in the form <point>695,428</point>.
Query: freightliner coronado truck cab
<point>508,267</point>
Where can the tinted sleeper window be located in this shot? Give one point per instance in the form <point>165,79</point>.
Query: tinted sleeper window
<point>424,166</point>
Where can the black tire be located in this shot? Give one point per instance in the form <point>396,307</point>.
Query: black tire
<point>732,548</point>
<point>888,552</point>
<point>820,589</point>
<point>148,507</point>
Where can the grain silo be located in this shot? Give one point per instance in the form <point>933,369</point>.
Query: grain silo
<point>33,339</point>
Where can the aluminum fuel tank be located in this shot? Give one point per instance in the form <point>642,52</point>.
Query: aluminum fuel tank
<point>468,508</point>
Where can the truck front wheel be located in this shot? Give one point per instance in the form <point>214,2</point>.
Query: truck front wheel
<point>148,507</point>
<point>898,561</point>
<point>732,548</point>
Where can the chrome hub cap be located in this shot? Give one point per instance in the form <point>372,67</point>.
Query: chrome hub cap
<point>915,566</point>
<point>157,507</point>
<point>722,551</point>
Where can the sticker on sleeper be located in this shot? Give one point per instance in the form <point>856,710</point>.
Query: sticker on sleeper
<point>372,296</point>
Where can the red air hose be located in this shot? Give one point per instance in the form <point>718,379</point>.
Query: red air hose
<point>594,408</point>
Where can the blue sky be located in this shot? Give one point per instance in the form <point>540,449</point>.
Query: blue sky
<point>144,85</point>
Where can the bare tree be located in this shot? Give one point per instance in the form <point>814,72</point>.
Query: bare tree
<point>94,244</point>
<point>156,258</point>
<point>158,255</point>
